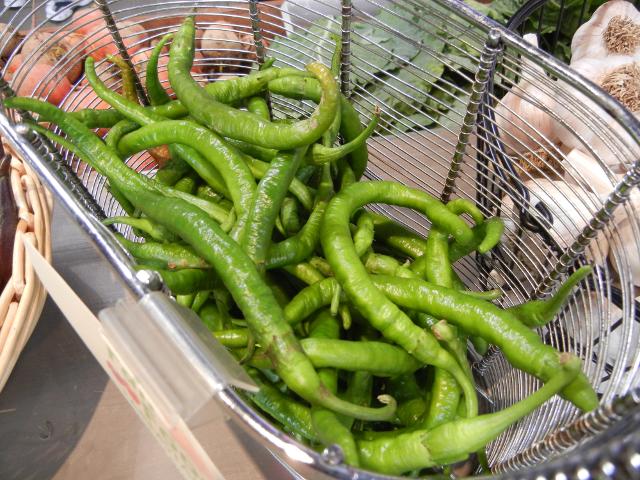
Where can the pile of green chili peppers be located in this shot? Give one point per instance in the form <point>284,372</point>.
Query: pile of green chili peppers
<point>355,328</point>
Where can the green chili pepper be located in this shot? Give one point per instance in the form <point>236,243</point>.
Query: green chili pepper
<point>301,246</point>
<point>293,416</point>
<point>119,130</point>
<point>350,126</point>
<point>455,440</point>
<point>352,275</point>
<point>328,428</point>
<point>156,92</point>
<point>296,187</point>
<point>537,313</point>
<point>522,347</point>
<point>266,205</point>
<point>154,230</point>
<point>289,217</point>
<point>211,316</point>
<point>363,237</point>
<point>229,91</point>
<point>259,106</point>
<point>246,126</point>
<point>235,269</point>
<point>165,256</point>
<point>186,281</point>
<point>127,75</point>
<point>326,154</point>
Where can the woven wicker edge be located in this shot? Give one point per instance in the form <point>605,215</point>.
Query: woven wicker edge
<point>22,299</point>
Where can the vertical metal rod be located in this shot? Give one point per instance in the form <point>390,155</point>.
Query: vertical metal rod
<point>256,29</point>
<point>46,150</point>
<point>122,50</point>
<point>478,88</point>
<point>345,54</point>
<point>597,223</point>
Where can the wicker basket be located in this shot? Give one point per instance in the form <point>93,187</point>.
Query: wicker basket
<point>23,297</point>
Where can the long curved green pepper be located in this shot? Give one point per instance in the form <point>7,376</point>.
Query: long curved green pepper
<point>233,338</point>
<point>127,76</point>
<point>211,316</point>
<point>329,430</point>
<point>350,127</point>
<point>146,118</point>
<point>359,388</point>
<point>154,230</point>
<point>166,256</point>
<point>305,273</point>
<point>383,314</point>
<point>216,212</point>
<point>521,346</point>
<point>224,159</point>
<point>300,247</point>
<point>246,126</point>
<point>228,91</point>
<point>186,281</point>
<point>118,131</point>
<point>259,106</point>
<point>289,216</point>
<point>536,313</point>
<point>364,234</point>
<point>292,415</point>
<point>454,441</point>
<point>156,92</point>
<point>235,269</point>
<point>446,392</point>
<point>326,154</point>
<point>267,201</point>
<point>296,187</point>
<point>378,358</point>
<point>486,236</point>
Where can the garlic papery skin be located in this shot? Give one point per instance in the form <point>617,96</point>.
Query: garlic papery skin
<point>620,77</point>
<point>571,209</point>
<point>584,171</point>
<point>613,29</point>
<point>522,124</point>
<point>624,247</point>
<point>624,251</point>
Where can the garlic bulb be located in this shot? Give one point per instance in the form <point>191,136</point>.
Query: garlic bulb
<point>571,210</point>
<point>523,126</point>
<point>220,40</point>
<point>594,178</point>
<point>623,247</point>
<point>620,77</point>
<point>613,29</point>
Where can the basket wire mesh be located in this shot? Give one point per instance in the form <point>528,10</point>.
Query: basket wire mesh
<point>437,133</point>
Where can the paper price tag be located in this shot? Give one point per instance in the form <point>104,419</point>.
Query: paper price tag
<point>168,427</point>
<point>172,433</point>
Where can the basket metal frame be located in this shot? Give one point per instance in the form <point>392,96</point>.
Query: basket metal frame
<point>46,160</point>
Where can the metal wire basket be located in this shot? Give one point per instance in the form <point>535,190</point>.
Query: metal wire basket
<point>438,117</point>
